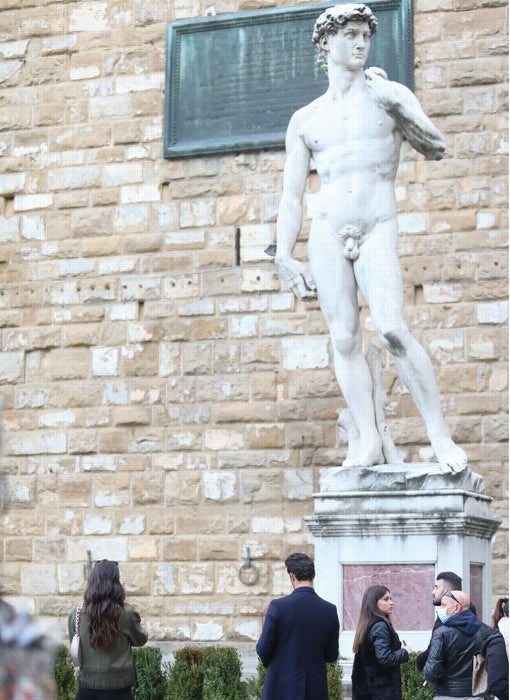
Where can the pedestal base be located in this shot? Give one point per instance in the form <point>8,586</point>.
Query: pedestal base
<point>399,526</point>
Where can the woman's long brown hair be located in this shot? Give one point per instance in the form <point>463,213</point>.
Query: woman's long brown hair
<point>103,604</point>
<point>368,613</point>
<point>499,611</point>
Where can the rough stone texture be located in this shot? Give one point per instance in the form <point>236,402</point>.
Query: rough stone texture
<point>166,408</point>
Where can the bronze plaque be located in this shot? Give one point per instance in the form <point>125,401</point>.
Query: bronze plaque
<point>233,81</point>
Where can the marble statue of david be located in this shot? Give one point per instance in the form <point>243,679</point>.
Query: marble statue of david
<point>353,133</point>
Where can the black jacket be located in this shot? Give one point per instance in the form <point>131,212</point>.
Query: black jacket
<point>376,669</point>
<point>449,666</point>
<point>421,659</point>
<point>496,664</point>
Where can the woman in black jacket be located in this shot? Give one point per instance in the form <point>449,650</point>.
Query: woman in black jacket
<point>378,653</point>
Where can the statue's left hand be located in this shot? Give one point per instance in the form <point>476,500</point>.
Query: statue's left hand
<point>298,278</point>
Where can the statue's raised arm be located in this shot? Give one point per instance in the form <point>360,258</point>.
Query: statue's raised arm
<point>399,102</point>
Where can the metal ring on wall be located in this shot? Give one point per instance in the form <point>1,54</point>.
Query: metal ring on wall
<point>248,573</point>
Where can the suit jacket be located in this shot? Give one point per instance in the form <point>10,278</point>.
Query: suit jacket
<point>299,635</point>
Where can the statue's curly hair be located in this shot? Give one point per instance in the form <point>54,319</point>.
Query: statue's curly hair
<point>335,17</point>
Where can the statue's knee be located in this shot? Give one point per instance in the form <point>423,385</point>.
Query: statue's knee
<point>344,343</point>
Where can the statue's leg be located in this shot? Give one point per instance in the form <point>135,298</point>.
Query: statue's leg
<point>390,452</point>
<point>378,274</point>
<point>348,426</point>
<point>337,293</point>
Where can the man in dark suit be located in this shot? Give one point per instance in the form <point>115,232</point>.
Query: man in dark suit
<point>300,634</point>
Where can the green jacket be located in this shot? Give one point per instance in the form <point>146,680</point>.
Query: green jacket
<point>105,669</point>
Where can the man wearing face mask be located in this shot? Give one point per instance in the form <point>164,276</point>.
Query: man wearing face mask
<point>445,581</point>
<point>449,665</point>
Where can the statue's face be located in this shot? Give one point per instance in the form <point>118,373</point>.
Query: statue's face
<point>349,47</point>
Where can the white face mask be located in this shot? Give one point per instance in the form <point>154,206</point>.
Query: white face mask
<point>442,614</point>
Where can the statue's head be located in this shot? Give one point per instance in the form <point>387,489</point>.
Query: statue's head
<point>335,17</point>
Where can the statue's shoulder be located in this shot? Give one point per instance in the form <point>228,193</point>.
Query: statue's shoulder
<point>303,114</point>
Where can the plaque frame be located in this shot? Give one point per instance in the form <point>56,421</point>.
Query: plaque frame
<point>187,134</point>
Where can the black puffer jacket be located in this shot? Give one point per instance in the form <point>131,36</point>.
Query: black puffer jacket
<point>449,667</point>
<point>376,669</point>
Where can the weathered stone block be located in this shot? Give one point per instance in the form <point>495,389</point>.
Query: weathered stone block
<point>26,443</point>
<point>142,549</point>
<point>19,549</point>
<point>259,280</point>
<point>104,361</point>
<point>265,437</point>
<point>305,353</point>
<point>147,489</point>
<point>11,366</point>
<point>40,578</point>
<point>256,486</point>
<point>182,489</point>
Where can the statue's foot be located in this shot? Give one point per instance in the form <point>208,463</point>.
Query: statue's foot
<point>450,456</point>
<point>364,457</point>
<point>349,461</point>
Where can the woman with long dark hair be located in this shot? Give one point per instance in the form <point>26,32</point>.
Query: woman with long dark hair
<point>108,629</point>
<point>378,653</point>
<point>501,621</point>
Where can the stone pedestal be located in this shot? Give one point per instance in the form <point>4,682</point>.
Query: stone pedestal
<point>399,526</point>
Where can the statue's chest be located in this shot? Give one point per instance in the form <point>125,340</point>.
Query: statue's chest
<point>338,124</point>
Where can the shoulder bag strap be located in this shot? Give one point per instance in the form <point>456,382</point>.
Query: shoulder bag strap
<point>77,619</point>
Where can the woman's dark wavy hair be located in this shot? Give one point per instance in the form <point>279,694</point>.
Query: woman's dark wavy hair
<point>103,603</point>
<point>368,613</point>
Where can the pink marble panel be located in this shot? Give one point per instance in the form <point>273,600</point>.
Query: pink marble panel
<point>411,589</point>
<point>476,586</point>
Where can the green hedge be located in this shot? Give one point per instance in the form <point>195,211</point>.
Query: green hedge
<point>412,681</point>
<point>64,674</point>
<point>151,679</point>
<point>210,673</point>
<point>186,676</point>
<point>206,673</point>
<point>222,674</point>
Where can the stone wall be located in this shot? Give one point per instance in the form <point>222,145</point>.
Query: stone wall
<point>165,407</point>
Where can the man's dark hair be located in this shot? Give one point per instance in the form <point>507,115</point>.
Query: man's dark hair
<point>453,581</point>
<point>301,565</point>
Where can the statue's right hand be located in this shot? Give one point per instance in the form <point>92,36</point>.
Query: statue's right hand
<point>297,277</point>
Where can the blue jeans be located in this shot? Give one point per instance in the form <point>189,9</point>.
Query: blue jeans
<point>113,694</point>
